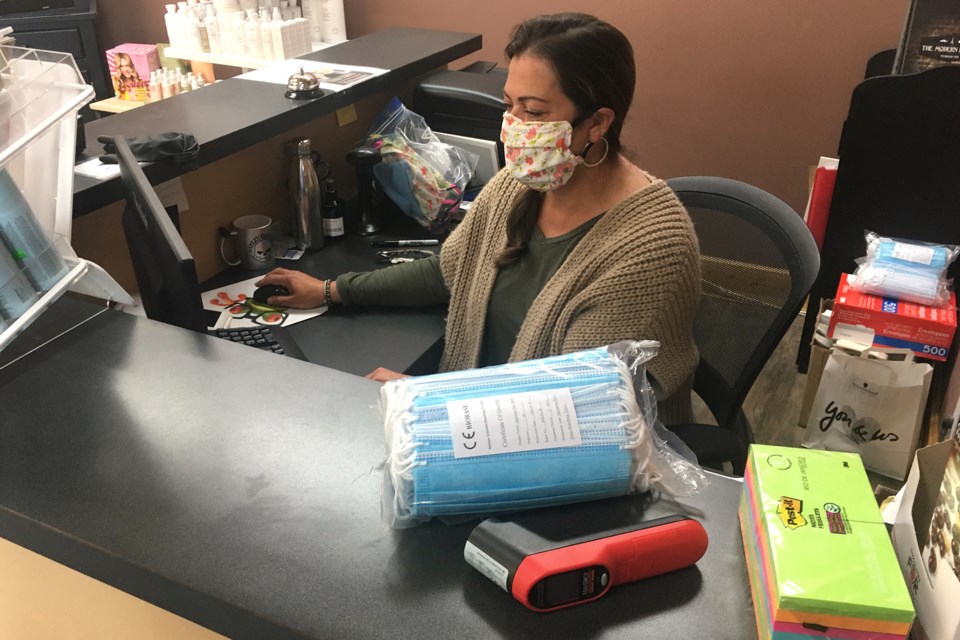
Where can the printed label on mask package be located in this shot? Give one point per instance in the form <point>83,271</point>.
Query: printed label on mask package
<point>513,422</point>
<point>913,253</point>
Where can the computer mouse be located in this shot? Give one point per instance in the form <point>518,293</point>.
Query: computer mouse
<point>262,294</point>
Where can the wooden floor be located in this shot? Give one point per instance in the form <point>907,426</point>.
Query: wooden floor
<point>773,404</point>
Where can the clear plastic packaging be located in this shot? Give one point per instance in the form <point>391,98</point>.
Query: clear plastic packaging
<point>556,430</point>
<point>923,286</point>
<point>40,94</point>
<point>905,270</point>
<point>910,253</point>
<point>26,241</point>
<point>422,175</point>
<point>17,295</point>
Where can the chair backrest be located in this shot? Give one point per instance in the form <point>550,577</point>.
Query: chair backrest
<point>759,261</point>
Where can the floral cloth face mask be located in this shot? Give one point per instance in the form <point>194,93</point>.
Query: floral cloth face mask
<point>538,153</point>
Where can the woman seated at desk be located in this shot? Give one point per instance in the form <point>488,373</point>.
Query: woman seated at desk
<point>571,245</point>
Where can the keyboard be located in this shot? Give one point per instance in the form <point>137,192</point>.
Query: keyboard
<point>272,339</point>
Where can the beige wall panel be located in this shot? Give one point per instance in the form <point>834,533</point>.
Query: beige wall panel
<point>44,600</point>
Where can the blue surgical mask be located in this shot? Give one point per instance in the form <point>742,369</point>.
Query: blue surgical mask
<point>426,479</point>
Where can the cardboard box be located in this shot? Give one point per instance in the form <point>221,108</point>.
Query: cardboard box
<point>130,66</point>
<point>926,537</point>
<point>927,331</point>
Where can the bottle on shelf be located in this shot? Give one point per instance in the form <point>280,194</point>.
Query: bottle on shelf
<point>190,27</point>
<point>173,26</point>
<point>332,211</point>
<point>199,15</point>
<point>213,28</point>
<point>254,39</point>
<point>312,11</point>
<point>333,29</point>
<point>266,34</point>
<point>278,28</point>
<point>239,34</point>
<point>156,85</point>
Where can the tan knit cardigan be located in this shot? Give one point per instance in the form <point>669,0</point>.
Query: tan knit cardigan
<point>635,275</point>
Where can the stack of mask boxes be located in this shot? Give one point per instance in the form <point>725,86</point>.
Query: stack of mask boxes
<point>820,560</point>
<point>888,322</point>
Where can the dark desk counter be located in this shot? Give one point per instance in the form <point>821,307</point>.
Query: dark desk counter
<point>234,114</point>
<point>357,341</point>
<point>240,490</point>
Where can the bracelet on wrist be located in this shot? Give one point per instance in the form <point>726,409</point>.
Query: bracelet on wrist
<point>326,292</point>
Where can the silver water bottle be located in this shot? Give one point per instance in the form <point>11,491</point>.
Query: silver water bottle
<point>308,220</point>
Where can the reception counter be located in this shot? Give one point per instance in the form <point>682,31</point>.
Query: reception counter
<point>237,492</point>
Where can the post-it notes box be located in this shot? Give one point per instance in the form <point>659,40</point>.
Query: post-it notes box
<point>819,557</point>
<point>130,65</point>
<point>927,331</point>
<point>926,535</point>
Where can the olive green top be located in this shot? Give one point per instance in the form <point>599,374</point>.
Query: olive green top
<point>420,283</point>
<point>517,286</point>
<point>407,284</point>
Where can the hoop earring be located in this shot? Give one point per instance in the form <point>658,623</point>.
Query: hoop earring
<point>586,149</point>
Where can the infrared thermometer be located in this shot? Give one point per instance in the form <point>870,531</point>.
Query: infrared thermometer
<point>546,574</point>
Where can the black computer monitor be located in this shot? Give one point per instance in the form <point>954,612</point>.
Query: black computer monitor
<point>162,264</point>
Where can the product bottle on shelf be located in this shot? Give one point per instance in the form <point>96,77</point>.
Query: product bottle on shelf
<point>266,34</point>
<point>228,41</point>
<point>201,17</point>
<point>312,11</point>
<point>275,33</point>
<point>332,22</point>
<point>254,40</point>
<point>213,29</point>
<point>304,41</point>
<point>239,34</point>
<point>190,27</point>
<point>332,211</point>
<point>170,20</point>
<point>155,86</point>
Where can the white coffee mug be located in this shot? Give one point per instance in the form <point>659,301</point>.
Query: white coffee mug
<point>252,241</point>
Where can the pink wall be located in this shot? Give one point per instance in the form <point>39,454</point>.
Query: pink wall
<point>741,88</point>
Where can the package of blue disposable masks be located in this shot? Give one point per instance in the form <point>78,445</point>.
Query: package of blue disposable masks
<point>905,269</point>
<point>556,430</point>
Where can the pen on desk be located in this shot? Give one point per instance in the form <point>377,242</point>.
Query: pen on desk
<point>404,243</point>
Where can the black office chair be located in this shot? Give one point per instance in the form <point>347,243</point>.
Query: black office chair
<point>759,260</point>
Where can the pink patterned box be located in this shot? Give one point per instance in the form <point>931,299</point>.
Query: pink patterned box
<point>130,66</point>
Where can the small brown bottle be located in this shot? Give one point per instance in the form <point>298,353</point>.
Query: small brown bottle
<point>332,211</point>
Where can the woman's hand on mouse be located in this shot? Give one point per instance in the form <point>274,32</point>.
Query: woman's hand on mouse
<point>306,292</point>
<point>381,374</point>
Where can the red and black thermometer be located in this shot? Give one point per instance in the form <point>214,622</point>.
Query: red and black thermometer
<point>546,574</point>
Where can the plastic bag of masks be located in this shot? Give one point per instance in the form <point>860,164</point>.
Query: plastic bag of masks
<point>562,429</point>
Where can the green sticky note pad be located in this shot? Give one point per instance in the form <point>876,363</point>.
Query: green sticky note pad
<point>820,526</point>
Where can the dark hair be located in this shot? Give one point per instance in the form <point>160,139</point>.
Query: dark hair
<point>593,62</point>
